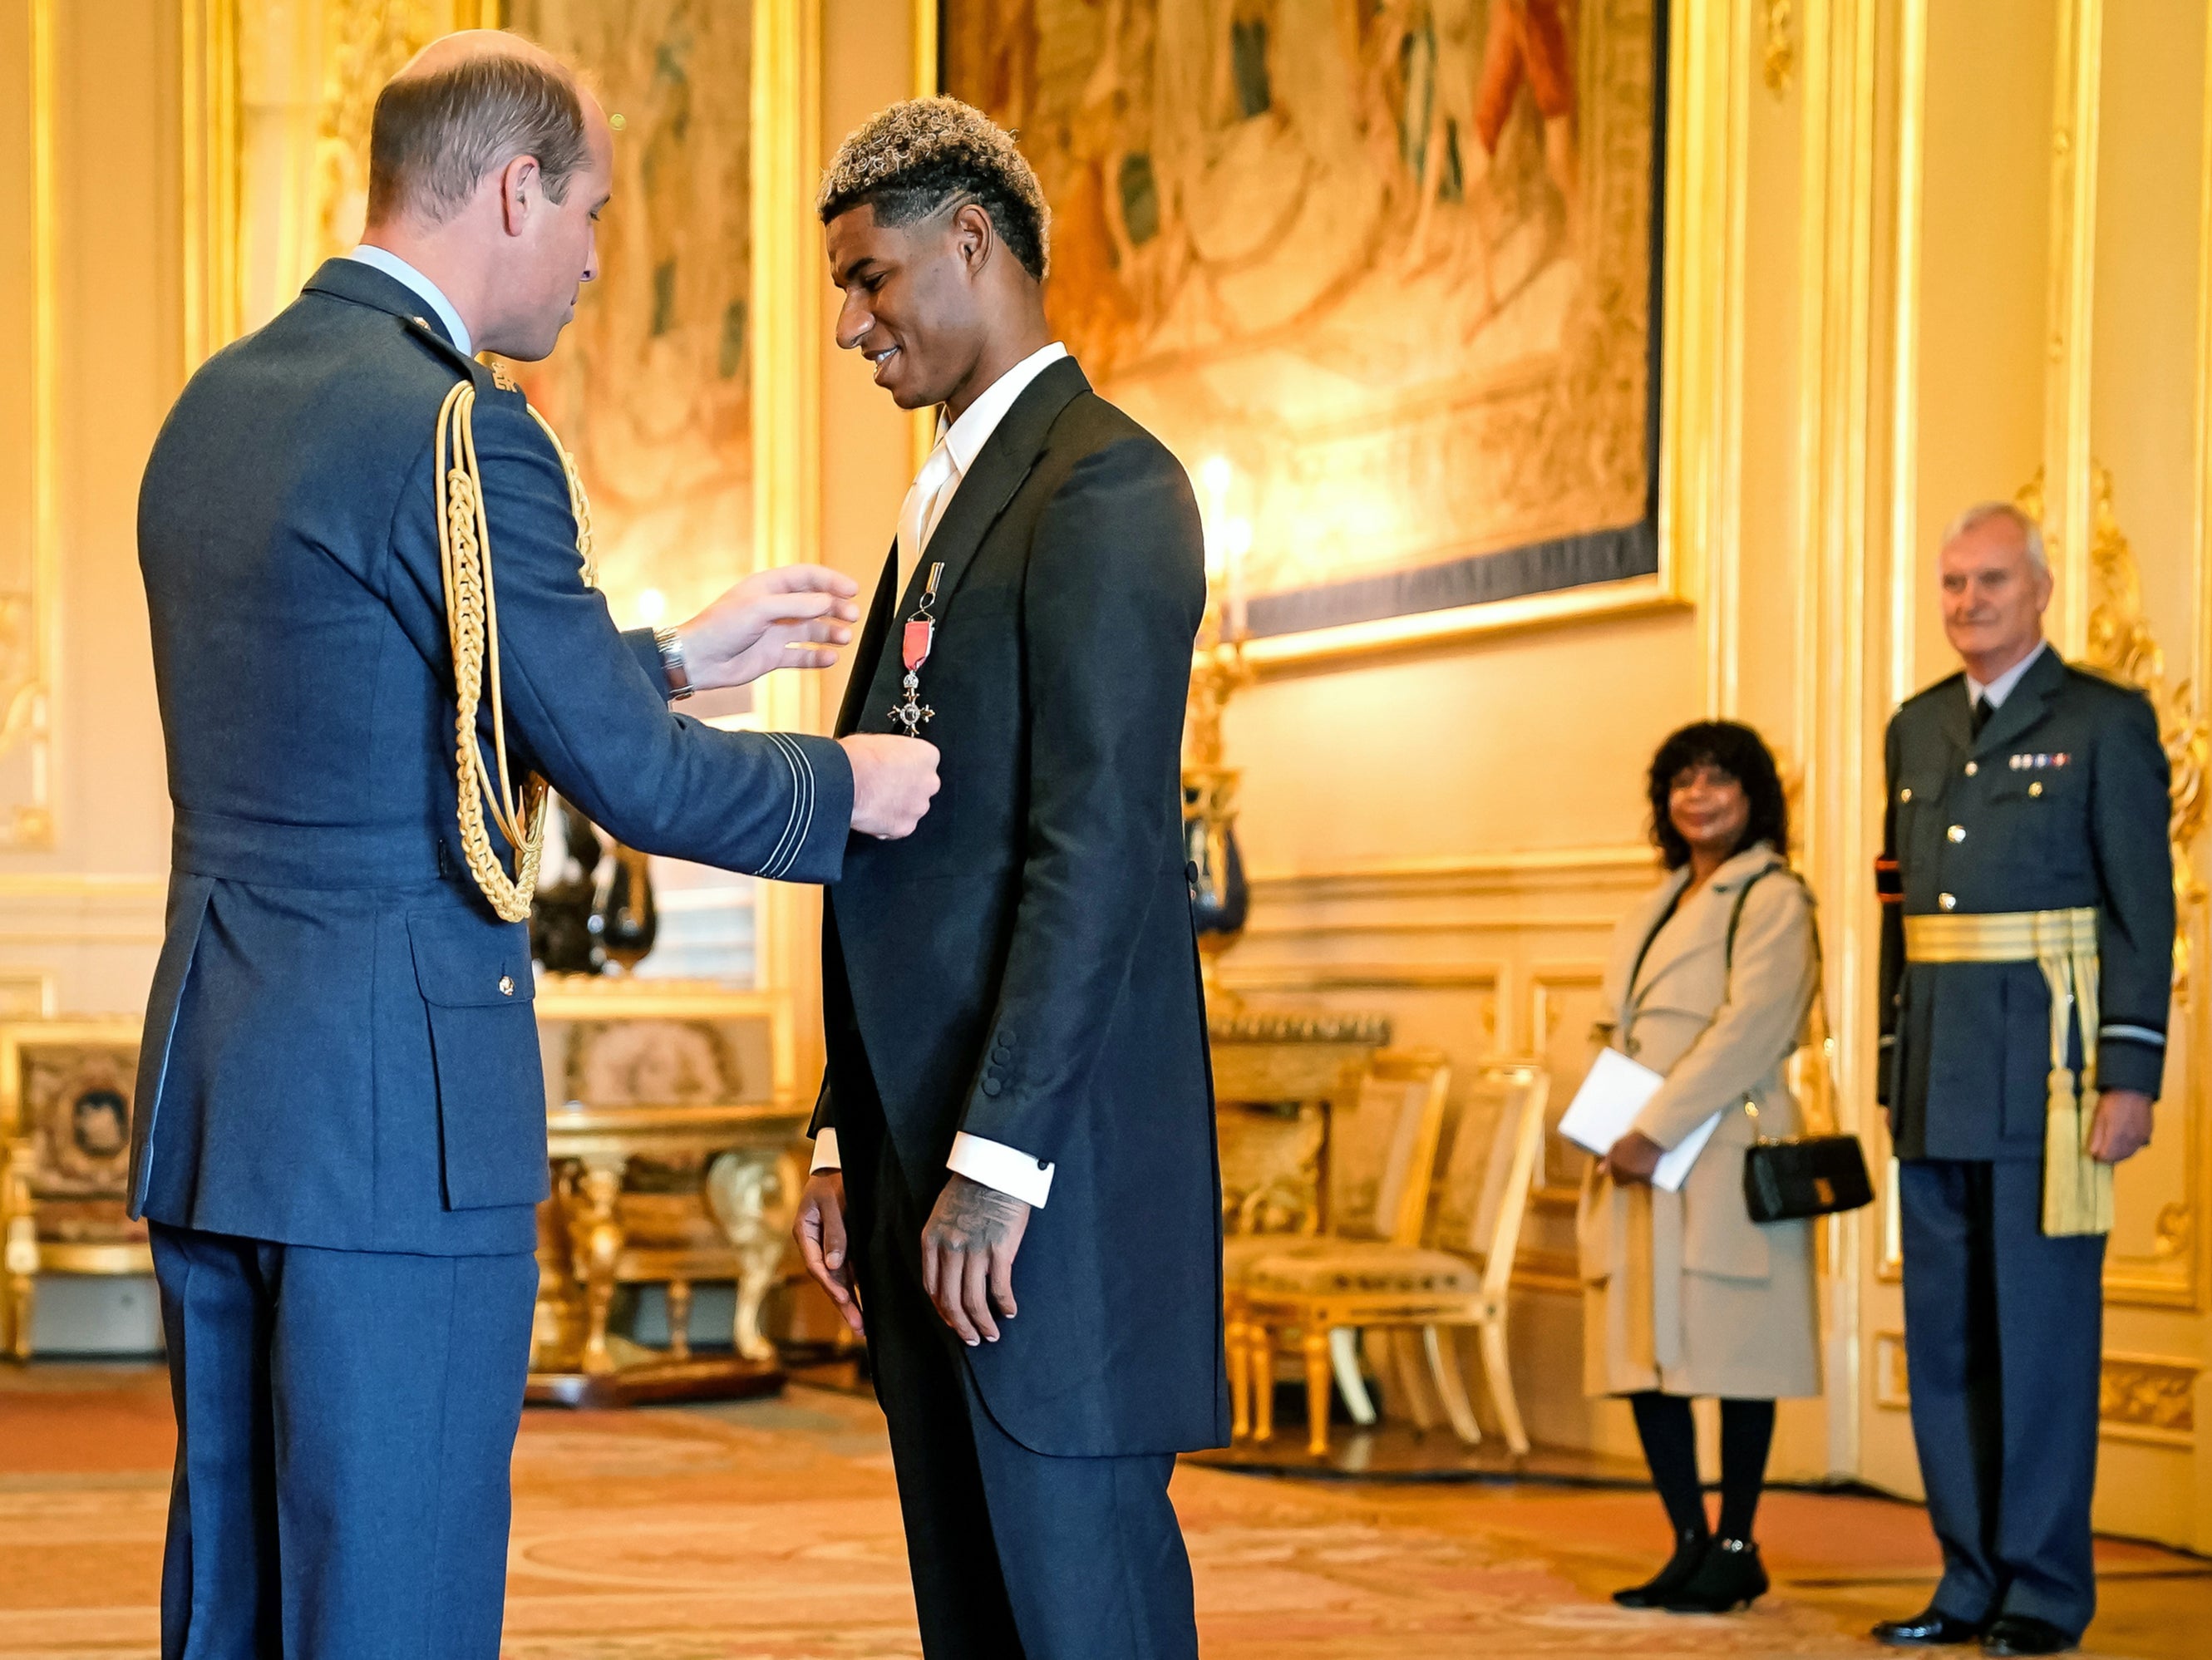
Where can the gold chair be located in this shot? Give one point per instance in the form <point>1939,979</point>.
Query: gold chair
<point>65,1091</point>
<point>1381,1171</point>
<point>1459,1276</point>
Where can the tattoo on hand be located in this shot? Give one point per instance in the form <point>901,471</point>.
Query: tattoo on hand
<point>971,1217</point>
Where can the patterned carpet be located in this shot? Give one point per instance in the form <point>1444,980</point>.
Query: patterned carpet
<point>769,1531</point>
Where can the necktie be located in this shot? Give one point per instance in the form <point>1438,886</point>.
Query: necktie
<point>1979,717</point>
<point>926,498</point>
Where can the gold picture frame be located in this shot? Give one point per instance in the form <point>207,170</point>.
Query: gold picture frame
<point>1703,198</point>
<point>65,1102</point>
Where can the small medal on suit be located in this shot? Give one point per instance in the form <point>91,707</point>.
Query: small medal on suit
<point>921,634</point>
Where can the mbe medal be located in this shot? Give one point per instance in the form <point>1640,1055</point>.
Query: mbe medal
<point>913,651</point>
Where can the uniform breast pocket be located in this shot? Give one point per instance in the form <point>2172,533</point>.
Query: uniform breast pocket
<point>475,979</point>
<point>2041,818</point>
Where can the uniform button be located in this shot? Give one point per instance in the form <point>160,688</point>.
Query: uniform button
<point>1972,766</point>
<point>2035,789</point>
<point>506,985</point>
<point>1957,832</point>
<point>992,1087</point>
<point>1906,795</point>
<point>1044,1163</point>
<point>1947,901</point>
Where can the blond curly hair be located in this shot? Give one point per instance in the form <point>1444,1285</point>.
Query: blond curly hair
<point>920,157</point>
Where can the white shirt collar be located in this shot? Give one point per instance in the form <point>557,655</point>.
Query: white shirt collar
<point>2001,688</point>
<point>965,438</point>
<point>429,293</point>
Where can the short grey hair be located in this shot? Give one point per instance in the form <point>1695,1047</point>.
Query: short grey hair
<point>435,136</point>
<point>920,157</point>
<point>2031,533</point>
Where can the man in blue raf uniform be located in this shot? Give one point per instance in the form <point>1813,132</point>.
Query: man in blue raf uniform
<point>340,1136</point>
<point>2027,904</point>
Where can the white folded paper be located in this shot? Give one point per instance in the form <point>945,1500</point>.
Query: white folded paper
<point>1604,1110</point>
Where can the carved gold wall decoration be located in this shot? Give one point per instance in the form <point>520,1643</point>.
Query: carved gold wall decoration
<point>2148,1398</point>
<point>2122,644</point>
<point>1781,54</point>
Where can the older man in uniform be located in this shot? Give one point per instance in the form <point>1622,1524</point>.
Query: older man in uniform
<point>368,569</point>
<point>2027,899</point>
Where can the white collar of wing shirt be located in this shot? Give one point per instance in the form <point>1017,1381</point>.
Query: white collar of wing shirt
<point>2001,688</point>
<point>424,289</point>
<point>994,1164</point>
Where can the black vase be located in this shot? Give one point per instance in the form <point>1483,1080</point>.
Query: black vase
<point>625,920</point>
<point>1222,900</point>
<point>561,918</point>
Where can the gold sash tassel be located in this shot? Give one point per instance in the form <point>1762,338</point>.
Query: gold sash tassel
<point>2077,1190</point>
<point>472,628</point>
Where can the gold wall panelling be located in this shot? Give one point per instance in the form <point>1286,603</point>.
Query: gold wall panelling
<point>30,572</point>
<point>2143,1398</point>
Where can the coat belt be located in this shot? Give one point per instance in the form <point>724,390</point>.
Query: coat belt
<point>2077,1190</point>
<point>329,856</point>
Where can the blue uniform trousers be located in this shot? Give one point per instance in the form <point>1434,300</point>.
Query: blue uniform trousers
<point>344,1424</point>
<point>2002,1334</point>
<point>1015,1556</point>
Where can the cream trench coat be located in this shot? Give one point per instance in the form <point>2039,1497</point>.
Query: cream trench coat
<point>1683,1292</point>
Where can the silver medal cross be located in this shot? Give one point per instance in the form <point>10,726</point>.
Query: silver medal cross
<point>909,715</point>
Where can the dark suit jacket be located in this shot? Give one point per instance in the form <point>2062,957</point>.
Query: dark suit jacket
<point>1968,1044</point>
<point>339,1048</point>
<point>1023,967</point>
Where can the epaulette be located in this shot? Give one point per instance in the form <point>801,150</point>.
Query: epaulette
<point>1956,677</point>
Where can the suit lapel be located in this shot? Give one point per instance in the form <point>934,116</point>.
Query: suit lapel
<point>880,610</point>
<point>1002,465</point>
<point>2024,708</point>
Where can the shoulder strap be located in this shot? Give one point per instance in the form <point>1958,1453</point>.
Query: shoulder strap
<point>1743,893</point>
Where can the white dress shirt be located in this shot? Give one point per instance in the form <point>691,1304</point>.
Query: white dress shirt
<point>429,293</point>
<point>978,1158</point>
<point>2001,688</point>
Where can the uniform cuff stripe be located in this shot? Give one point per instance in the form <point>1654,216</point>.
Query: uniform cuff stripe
<point>2131,1034</point>
<point>800,821</point>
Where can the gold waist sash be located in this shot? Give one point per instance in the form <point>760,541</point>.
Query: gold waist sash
<point>2077,1190</point>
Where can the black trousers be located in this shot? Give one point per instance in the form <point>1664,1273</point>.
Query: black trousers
<point>345,1425</point>
<point>2004,1331</point>
<point>1015,1556</point>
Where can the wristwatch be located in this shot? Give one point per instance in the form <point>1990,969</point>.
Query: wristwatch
<point>670,645</point>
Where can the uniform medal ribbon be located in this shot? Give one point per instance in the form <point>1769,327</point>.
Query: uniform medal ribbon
<point>921,634</point>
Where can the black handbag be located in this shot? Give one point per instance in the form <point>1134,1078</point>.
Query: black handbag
<point>1813,1176</point>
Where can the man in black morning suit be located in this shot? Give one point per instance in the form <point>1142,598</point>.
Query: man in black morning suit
<point>2026,846</point>
<point>339,1139</point>
<point>1017,1043</point>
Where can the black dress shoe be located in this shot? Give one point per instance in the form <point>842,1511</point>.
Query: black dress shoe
<point>2023,1633</point>
<point>1929,1628</point>
<point>1728,1577</point>
<point>1689,1551</point>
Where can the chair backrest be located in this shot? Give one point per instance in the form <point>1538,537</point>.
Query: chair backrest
<point>1487,1177</point>
<point>1383,1153</point>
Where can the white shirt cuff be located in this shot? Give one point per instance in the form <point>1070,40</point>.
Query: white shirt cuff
<point>995,1164</point>
<point>825,1150</point>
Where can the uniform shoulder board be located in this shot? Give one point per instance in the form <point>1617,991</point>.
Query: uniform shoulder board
<point>1950,681</point>
<point>501,378</point>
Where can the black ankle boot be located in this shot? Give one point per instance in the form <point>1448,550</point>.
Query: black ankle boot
<point>1689,1551</point>
<point>1728,1577</point>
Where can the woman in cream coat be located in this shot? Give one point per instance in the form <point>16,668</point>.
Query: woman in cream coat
<point>1709,983</point>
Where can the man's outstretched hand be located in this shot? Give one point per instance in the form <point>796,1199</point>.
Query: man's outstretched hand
<point>820,1230</point>
<point>893,779</point>
<point>968,1248</point>
<point>792,617</point>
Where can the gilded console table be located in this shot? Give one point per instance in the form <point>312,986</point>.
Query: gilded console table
<point>672,1118</point>
<point>1277,1079</point>
<point>594,1236</point>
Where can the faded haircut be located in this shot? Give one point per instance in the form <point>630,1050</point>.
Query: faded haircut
<point>434,137</point>
<point>927,155</point>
